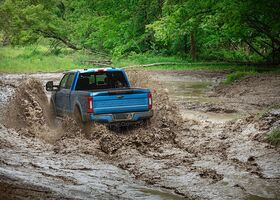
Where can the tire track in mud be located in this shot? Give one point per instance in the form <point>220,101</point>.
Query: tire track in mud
<point>11,189</point>
<point>194,159</point>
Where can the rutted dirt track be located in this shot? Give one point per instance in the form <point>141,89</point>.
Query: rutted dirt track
<point>204,142</point>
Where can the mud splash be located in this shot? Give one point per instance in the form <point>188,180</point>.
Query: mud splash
<point>143,136</point>
<point>28,112</point>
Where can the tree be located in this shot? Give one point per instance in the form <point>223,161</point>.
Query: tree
<point>230,30</point>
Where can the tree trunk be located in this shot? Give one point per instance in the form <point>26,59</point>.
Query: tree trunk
<point>5,40</point>
<point>193,46</point>
<point>64,40</point>
<point>273,52</point>
<point>186,48</point>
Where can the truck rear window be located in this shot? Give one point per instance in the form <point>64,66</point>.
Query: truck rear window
<point>101,80</point>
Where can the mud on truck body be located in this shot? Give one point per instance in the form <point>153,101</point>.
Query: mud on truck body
<point>100,95</point>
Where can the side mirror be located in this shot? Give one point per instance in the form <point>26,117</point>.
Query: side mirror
<point>49,86</point>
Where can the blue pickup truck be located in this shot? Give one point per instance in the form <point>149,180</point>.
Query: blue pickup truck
<point>102,95</point>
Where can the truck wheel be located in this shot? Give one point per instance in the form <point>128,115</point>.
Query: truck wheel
<point>77,116</point>
<point>52,113</point>
<point>146,122</point>
<point>85,126</point>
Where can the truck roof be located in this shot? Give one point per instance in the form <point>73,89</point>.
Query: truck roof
<point>86,70</point>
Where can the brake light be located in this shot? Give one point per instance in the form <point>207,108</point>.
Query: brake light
<point>150,101</point>
<point>90,104</point>
<point>100,70</point>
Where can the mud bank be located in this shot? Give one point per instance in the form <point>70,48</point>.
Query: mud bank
<point>175,156</point>
<point>259,90</point>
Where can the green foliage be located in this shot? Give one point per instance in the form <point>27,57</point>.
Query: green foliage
<point>223,30</point>
<point>274,136</point>
<point>238,75</point>
<point>228,30</point>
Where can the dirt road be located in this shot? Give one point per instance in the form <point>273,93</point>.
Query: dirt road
<point>206,141</point>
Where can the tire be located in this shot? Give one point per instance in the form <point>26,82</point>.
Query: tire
<point>52,113</point>
<point>147,122</point>
<point>77,116</point>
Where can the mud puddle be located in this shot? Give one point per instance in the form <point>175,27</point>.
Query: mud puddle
<point>192,93</point>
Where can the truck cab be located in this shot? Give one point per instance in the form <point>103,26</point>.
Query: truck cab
<point>101,95</point>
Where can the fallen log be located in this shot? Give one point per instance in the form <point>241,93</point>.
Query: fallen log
<point>155,64</point>
<point>106,63</point>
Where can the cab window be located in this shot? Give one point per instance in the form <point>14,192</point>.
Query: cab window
<point>69,81</point>
<point>63,81</point>
<point>101,80</point>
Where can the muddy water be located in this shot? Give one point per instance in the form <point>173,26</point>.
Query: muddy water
<point>191,91</point>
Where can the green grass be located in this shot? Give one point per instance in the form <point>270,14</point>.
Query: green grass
<point>185,64</point>
<point>238,73</point>
<point>139,59</point>
<point>274,136</point>
<point>230,78</point>
<point>38,58</point>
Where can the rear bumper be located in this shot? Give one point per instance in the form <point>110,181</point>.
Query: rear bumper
<point>109,118</point>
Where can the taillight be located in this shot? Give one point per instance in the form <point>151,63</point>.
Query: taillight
<point>90,104</point>
<point>100,70</point>
<point>150,101</point>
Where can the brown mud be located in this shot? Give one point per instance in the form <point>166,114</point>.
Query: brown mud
<point>260,90</point>
<point>188,150</point>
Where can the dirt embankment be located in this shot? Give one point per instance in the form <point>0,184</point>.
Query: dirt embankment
<point>260,90</point>
<point>195,159</point>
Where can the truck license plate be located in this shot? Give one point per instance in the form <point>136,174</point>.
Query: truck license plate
<point>123,116</point>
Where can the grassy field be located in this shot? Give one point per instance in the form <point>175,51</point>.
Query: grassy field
<point>183,64</point>
<point>39,58</point>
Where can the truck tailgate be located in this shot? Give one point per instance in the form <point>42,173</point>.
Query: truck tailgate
<point>120,101</point>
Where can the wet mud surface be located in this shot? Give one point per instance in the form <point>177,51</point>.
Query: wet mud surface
<point>204,142</point>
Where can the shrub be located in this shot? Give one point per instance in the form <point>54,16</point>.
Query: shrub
<point>274,136</point>
<point>239,75</point>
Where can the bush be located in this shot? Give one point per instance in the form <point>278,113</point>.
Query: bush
<point>239,75</point>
